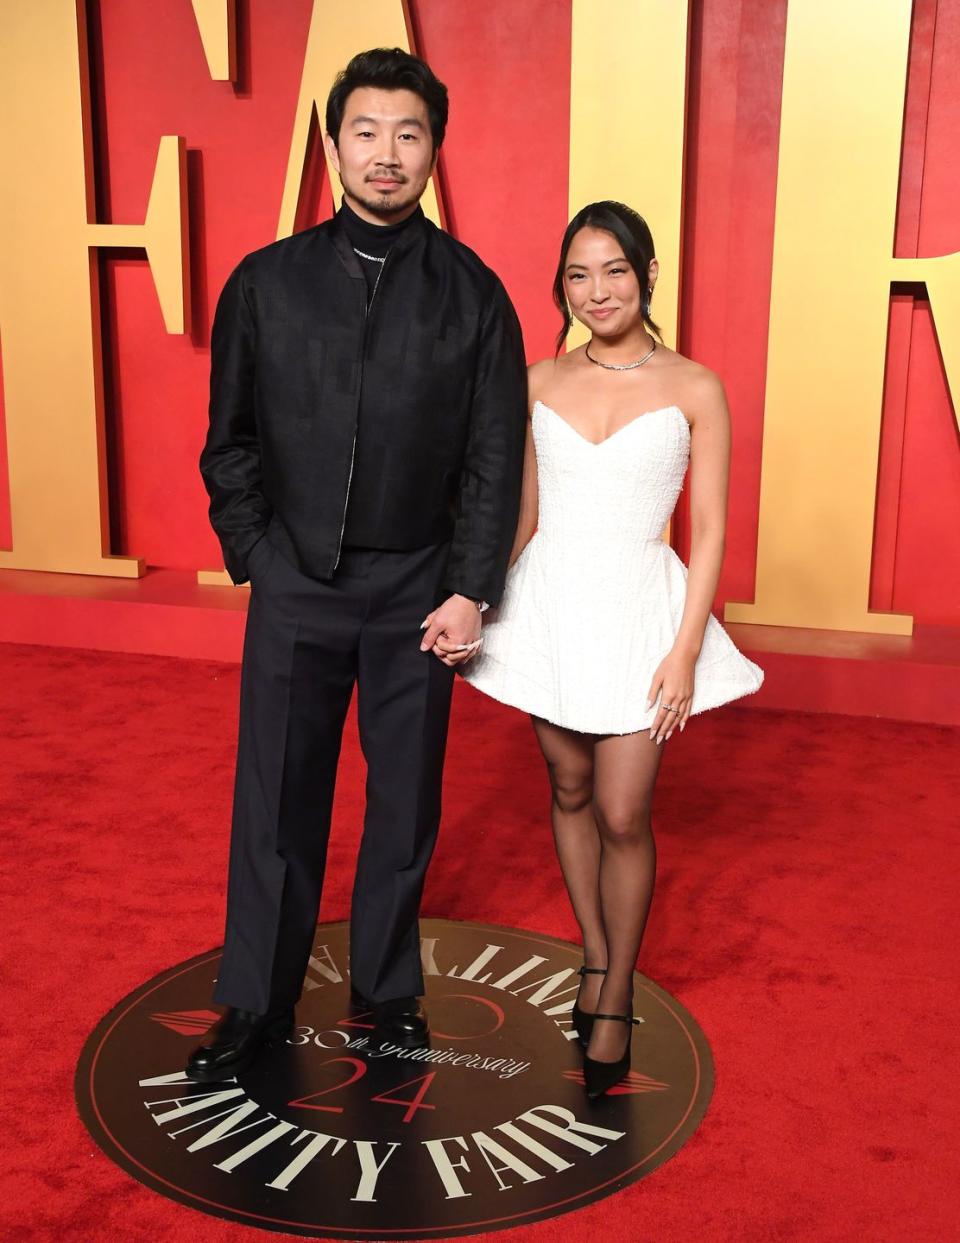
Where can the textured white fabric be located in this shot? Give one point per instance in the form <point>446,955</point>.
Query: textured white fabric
<point>594,601</point>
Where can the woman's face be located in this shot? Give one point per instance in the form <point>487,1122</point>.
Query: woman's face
<point>601,286</point>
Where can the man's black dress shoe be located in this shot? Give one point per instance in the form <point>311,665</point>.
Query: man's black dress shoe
<point>234,1042</point>
<point>402,1022</point>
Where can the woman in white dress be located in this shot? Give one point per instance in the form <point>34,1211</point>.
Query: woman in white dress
<point>602,634</point>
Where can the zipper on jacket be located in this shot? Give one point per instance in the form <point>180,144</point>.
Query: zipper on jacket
<point>353,448</point>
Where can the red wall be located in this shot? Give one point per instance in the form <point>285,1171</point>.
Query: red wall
<point>504,170</point>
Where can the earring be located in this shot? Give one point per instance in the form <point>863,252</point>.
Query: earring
<point>646,302</point>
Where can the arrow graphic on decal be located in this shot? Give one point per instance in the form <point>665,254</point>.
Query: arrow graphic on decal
<point>187,1022</point>
<point>631,1085</point>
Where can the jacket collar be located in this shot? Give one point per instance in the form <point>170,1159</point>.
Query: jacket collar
<point>404,241</point>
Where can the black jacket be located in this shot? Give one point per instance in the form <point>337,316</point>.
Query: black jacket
<point>297,357</point>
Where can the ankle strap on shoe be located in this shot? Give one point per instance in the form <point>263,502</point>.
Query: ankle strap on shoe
<point>592,971</point>
<point>619,1018</point>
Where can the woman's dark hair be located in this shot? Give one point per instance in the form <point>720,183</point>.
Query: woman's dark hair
<point>631,231</point>
<point>390,69</point>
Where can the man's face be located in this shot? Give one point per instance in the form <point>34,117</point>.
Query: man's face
<point>384,153</point>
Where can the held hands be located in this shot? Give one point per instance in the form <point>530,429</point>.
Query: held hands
<point>673,682</point>
<point>452,632</point>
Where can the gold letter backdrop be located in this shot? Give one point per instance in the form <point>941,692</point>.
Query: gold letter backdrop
<point>842,113</point>
<point>49,290</point>
<point>603,128</point>
<point>629,145</point>
<point>840,131</point>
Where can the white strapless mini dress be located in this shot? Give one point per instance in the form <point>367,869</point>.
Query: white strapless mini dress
<point>593,603</point>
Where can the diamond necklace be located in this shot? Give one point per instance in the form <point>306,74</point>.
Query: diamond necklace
<point>621,366</point>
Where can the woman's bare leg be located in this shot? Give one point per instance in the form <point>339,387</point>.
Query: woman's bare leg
<point>625,771</point>
<point>569,757</point>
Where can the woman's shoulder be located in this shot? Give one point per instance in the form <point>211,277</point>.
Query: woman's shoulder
<point>544,374</point>
<point>699,385</point>
<point>541,372</point>
<point>554,367</point>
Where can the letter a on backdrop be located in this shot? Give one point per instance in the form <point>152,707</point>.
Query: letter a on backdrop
<point>336,34</point>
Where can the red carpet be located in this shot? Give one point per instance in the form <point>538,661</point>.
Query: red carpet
<point>806,913</point>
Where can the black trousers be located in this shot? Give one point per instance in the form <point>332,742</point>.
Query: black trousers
<point>307,643</point>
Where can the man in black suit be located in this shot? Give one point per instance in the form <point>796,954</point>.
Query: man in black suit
<point>367,416</point>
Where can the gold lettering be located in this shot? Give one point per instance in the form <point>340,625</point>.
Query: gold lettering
<point>840,133</point>
<point>628,90</point>
<point>49,290</point>
<point>941,275</point>
<point>217,23</point>
<point>612,45</point>
<point>337,33</point>
<point>842,111</point>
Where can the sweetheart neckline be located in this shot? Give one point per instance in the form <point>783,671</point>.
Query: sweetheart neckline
<point>597,444</point>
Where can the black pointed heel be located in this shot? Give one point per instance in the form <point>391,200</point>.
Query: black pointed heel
<point>599,1077</point>
<point>582,1021</point>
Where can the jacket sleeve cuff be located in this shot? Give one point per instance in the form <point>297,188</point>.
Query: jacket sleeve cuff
<point>237,554</point>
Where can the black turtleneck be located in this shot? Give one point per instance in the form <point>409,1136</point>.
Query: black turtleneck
<point>371,242</point>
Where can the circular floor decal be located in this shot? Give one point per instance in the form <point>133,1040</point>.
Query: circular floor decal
<point>336,1134</point>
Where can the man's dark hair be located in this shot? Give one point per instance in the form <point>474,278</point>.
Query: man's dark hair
<point>389,69</point>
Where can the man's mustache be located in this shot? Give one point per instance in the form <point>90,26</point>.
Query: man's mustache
<point>387,174</point>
